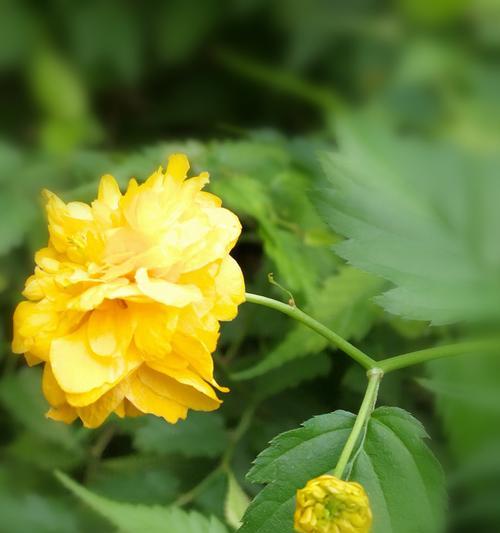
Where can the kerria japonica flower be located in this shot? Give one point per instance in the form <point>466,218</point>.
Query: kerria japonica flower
<point>123,308</point>
<point>329,505</point>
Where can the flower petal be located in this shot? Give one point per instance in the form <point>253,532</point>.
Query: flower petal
<point>185,394</point>
<point>51,390</point>
<point>109,192</point>
<point>230,288</point>
<point>78,370</point>
<point>64,413</point>
<point>166,292</point>
<point>110,329</point>
<point>177,167</point>
<point>96,413</point>
<point>148,401</point>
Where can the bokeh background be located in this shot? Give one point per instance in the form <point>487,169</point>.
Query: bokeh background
<point>252,90</point>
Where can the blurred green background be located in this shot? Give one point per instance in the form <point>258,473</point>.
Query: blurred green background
<point>252,91</point>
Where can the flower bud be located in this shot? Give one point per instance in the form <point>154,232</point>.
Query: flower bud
<point>329,505</point>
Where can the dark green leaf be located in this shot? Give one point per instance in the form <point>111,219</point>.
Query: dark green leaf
<point>402,478</point>
<point>200,435</point>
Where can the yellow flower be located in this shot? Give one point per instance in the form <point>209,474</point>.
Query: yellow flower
<point>123,308</point>
<point>329,505</point>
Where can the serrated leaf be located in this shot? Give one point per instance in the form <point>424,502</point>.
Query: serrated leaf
<point>236,502</point>
<point>421,215</point>
<point>402,478</point>
<point>200,435</point>
<point>344,304</point>
<point>131,518</point>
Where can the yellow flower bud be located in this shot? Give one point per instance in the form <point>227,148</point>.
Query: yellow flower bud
<point>329,505</point>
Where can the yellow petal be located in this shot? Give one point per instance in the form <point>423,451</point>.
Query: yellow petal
<point>204,400</point>
<point>155,326</point>
<point>78,370</point>
<point>94,296</point>
<point>51,390</point>
<point>109,192</point>
<point>110,329</point>
<point>196,353</point>
<point>83,399</point>
<point>147,401</point>
<point>65,413</point>
<point>166,292</point>
<point>96,413</point>
<point>177,167</point>
<point>230,288</point>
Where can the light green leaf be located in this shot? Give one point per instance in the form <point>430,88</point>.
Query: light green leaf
<point>236,502</point>
<point>344,304</point>
<point>131,518</point>
<point>200,435</point>
<point>422,215</point>
<point>392,458</point>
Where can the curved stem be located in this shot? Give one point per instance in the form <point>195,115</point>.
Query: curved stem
<point>339,342</point>
<point>375,375</point>
<point>421,356</point>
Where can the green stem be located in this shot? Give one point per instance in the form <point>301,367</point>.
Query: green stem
<point>375,375</point>
<point>342,344</point>
<point>421,356</point>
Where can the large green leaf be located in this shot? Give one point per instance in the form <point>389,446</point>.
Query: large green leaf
<point>200,435</point>
<point>343,304</point>
<point>423,215</point>
<point>402,478</point>
<point>131,518</point>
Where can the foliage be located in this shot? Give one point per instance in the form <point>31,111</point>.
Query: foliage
<point>391,458</point>
<point>382,222</point>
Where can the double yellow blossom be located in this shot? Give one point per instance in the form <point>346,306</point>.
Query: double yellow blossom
<point>123,308</point>
<point>329,505</point>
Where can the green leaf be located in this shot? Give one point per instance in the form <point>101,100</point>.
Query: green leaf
<point>21,394</point>
<point>135,479</point>
<point>290,375</point>
<point>420,214</point>
<point>466,390</point>
<point>200,435</point>
<point>35,512</point>
<point>257,179</point>
<point>343,304</point>
<point>402,478</point>
<point>130,518</point>
<point>236,502</point>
